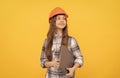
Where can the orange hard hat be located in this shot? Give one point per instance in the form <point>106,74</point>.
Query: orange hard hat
<point>57,11</point>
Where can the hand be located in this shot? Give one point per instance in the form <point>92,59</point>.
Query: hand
<point>71,71</point>
<point>55,64</point>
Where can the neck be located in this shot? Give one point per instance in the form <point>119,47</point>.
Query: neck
<point>59,32</point>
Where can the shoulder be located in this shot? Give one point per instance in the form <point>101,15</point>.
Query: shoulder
<point>45,41</point>
<point>72,38</point>
<point>73,41</point>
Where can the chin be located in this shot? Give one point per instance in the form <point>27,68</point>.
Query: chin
<point>61,27</point>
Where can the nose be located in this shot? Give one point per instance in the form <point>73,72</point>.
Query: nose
<point>61,20</point>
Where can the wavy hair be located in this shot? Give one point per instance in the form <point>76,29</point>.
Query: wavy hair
<point>50,36</point>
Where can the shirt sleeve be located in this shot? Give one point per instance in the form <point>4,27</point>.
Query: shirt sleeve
<point>76,51</point>
<point>43,57</point>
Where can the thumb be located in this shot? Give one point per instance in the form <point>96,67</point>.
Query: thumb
<point>57,60</point>
<point>67,68</point>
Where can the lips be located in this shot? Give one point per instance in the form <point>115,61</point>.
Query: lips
<point>61,24</point>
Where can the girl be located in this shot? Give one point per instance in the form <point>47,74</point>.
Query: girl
<point>57,36</point>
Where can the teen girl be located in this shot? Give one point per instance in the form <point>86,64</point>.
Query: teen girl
<point>57,36</point>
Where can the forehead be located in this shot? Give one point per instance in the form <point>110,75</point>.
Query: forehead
<point>60,16</point>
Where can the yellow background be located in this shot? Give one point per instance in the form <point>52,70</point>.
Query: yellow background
<point>94,23</point>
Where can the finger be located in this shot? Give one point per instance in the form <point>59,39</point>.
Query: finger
<point>57,60</point>
<point>68,75</point>
<point>56,66</point>
<point>67,68</point>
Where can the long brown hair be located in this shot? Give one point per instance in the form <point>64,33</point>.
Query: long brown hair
<point>50,36</point>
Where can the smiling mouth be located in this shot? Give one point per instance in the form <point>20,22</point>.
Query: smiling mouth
<point>61,24</point>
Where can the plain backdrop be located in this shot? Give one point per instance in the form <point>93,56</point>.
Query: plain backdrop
<point>94,23</point>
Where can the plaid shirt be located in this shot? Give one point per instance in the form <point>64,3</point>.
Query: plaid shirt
<point>55,73</point>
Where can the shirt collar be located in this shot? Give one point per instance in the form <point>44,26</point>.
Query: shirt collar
<point>57,36</point>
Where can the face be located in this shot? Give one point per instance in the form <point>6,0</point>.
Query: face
<point>60,21</point>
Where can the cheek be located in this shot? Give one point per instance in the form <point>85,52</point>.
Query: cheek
<point>65,22</point>
<point>57,22</point>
